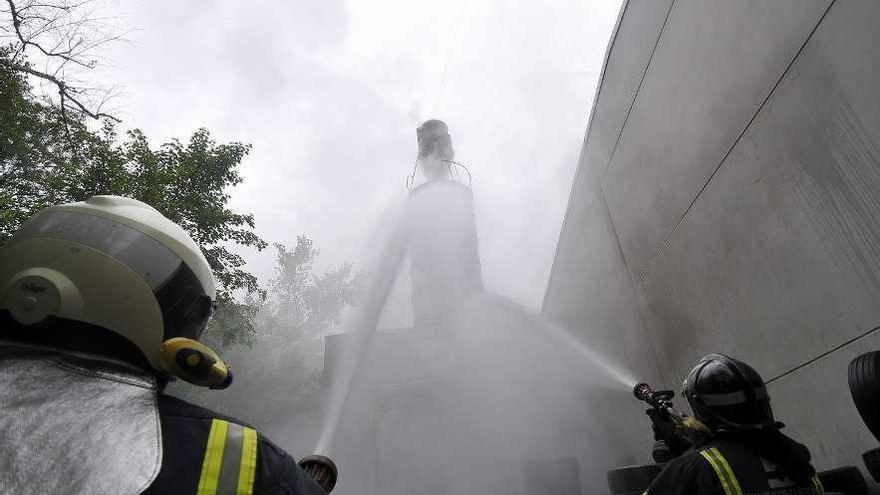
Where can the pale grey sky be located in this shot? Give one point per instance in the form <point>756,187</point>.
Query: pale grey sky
<point>329,92</point>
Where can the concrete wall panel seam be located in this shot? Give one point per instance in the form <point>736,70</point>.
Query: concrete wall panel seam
<point>639,87</point>
<point>643,274</point>
<point>824,355</point>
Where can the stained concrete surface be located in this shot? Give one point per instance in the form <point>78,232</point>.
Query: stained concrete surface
<point>743,216</point>
<point>830,425</point>
<point>780,251</point>
<point>713,67</point>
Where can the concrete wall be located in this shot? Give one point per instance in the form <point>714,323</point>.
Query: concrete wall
<point>728,199</point>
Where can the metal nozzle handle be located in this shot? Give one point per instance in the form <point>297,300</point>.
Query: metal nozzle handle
<point>660,399</point>
<point>321,469</point>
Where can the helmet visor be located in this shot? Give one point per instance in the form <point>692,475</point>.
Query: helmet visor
<point>185,306</point>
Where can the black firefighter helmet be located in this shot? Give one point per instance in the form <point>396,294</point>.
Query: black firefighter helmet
<point>728,395</point>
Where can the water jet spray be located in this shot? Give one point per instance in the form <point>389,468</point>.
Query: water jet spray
<point>619,375</point>
<point>438,230</point>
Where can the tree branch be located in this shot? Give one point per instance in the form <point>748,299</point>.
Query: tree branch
<point>64,118</point>
<point>69,47</point>
<point>63,89</point>
<point>16,24</point>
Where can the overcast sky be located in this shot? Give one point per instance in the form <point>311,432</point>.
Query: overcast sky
<point>329,93</point>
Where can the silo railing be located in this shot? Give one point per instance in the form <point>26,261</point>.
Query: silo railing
<point>451,170</point>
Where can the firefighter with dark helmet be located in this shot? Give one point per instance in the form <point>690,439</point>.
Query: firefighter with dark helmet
<point>739,449</point>
<point>102,302</point>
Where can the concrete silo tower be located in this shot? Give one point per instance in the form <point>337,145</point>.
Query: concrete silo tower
<point>441,230</point>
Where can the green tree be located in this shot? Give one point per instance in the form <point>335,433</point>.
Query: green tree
<point>305,304</point>
<point>278,377</point>
<point>49,156</point>
<point>51,152</point>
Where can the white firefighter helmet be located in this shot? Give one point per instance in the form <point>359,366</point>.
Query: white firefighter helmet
<point>119,264</point>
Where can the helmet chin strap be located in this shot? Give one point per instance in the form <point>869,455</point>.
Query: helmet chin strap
<point>724,425</point>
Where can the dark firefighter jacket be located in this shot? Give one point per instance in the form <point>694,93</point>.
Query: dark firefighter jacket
<point>729,467</point>
<point>203,449</point>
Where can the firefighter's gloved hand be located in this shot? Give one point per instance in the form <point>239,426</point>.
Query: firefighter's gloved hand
<point>661,424</point>
<point>667,430</point>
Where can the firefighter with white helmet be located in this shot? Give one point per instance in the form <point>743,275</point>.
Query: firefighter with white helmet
<point>102,302</point>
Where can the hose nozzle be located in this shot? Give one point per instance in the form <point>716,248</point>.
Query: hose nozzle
<point>657,398</point>
<point>643,392</point>
<point>661,401</point>
<point>321,469</point>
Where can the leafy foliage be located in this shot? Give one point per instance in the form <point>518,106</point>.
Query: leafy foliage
<point>234,322</point>
<point>303,302</point>
<point>188,184</point>
<point>286,354</point>
<point>47,158</point>
<point>50,154</point>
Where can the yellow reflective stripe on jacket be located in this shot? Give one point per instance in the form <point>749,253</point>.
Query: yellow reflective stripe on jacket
<point>229,466</point>
<point>213,458</point>
<point>722,469</point>
<point>818,484</point>
<point>248,467</point>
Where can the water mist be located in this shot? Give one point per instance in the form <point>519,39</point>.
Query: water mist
<point>510,395</point>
